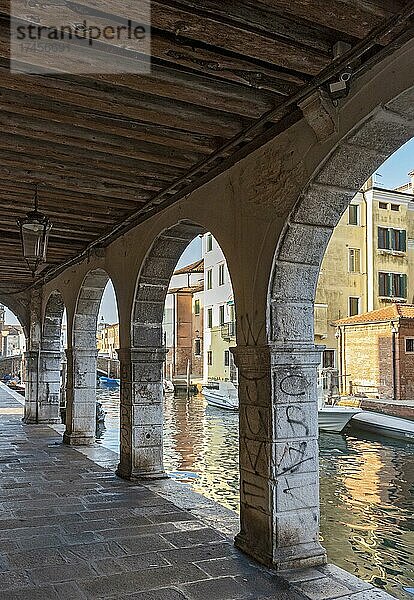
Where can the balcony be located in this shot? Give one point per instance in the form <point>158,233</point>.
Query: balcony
<point>228,331</point>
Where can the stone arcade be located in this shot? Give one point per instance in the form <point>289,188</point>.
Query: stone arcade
<point>272,207</point>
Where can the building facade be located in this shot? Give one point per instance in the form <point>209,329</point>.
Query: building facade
<point>108,339</point>
<point>183,323</point>
<point>369,261</point>
<point>376,353</point>
<point>219,313</point>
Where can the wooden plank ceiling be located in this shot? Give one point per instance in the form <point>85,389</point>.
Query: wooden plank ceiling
<point>109,150</point>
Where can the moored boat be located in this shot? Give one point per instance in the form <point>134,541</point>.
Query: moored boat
<point>334,418</point>
<point>108,381</point>
<point>168,386</point>
<point>384,425</point>
<point>221,394</point>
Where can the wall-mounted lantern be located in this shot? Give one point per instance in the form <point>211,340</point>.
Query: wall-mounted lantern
<point>34,233</point>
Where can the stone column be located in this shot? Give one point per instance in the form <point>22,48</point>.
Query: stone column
<point>31,381</point>
<point>279,477</point>
<point>49,387</point>
<point>141,453</point>
<point>80,397</point>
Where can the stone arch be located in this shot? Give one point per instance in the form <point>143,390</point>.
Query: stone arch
<point>19,309</point>
<point>288,363</point>
<point>52,321</point>
<point>153,281</point>
<point>142,364</point>
<point>82,359</point>
<point>85,318</point>
<point>308,229</point>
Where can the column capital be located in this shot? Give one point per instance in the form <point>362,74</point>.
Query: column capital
<point>143,354</point>
<point>296,355</point>
<point>253,361</point>
<point>83,352</point>
<point>30,354</point>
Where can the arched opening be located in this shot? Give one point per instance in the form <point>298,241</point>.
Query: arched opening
<point>12,348</point>
<point>294,357</point>
<point>363,303</point>
<point>82,352</point>
<point>172,329</point>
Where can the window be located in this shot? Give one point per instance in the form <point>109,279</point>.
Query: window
<point>209,318</point>
<point>221,274</point>
<point>353,306</point>
<point>354,260</point>
<point>383,205</point>
<point>392,285</point>
<point>328,359</point>
<point>353,214</point>
<point>197,307</point>
<point>209,242</point>
<point>226,358</point>
<point>392,239</point>
<point>395,207</point>
<point>409,345</point>
<point>209,279</point>
<point>197,347</point>
<point>209,358</point>
<point>221,314</point>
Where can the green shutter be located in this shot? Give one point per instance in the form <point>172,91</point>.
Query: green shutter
<point>403,286</point>
<point>403,240</point>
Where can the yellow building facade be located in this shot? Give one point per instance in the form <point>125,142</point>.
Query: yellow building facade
<point>369,261</point>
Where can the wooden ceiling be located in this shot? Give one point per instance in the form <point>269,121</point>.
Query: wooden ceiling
<point>109,150</point>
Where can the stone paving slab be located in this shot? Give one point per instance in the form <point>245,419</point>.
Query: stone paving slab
<point>71,530</point>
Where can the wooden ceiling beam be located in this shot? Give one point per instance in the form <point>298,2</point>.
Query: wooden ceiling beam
<point>138,151</point>
<point>354,18</point>
<point>186,27</point>
<point>119,127</point>
<point>94,192</point>
<point>51,159</point>
<point>161,112</point>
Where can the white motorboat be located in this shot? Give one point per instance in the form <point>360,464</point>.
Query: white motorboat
<point>168,386</point>
<point>384,425</point>
<point>221,394</point>
<point>334,418</point>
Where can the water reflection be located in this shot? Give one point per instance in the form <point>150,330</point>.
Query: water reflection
<point>367,487</point>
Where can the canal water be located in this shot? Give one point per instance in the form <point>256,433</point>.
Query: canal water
<point>366,485</point>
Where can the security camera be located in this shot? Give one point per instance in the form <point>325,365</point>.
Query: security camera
<point>339,88</point>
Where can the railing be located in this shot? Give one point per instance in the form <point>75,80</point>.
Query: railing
<point>228,330</point>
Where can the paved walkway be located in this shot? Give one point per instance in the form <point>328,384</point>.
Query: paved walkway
<point>71,530</point>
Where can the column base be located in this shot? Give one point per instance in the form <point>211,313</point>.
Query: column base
<point>78,439</point>
<point>139,475</point>
<point>285,559</point>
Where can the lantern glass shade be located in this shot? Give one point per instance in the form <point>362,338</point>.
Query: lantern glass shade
<point>34,231</point>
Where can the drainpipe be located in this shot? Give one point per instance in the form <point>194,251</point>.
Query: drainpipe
<point>394,332</point>
<point>339,341</point>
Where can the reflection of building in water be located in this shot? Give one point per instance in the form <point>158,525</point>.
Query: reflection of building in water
<point>364,484</point>
<point>362,500</point>
<point>206,445</point>
<point>184,421</point>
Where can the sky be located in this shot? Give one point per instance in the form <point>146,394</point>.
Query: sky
<point>392,173</point>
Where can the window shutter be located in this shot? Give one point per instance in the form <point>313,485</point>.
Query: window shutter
<point>403,240</point>
<point>403,286</point>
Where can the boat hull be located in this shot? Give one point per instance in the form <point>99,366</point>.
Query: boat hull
<point>219,401</point>
<point>385,426</point>
<point>334,419</point>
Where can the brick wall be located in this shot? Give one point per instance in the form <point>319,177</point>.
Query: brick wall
<point>369,361</point>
